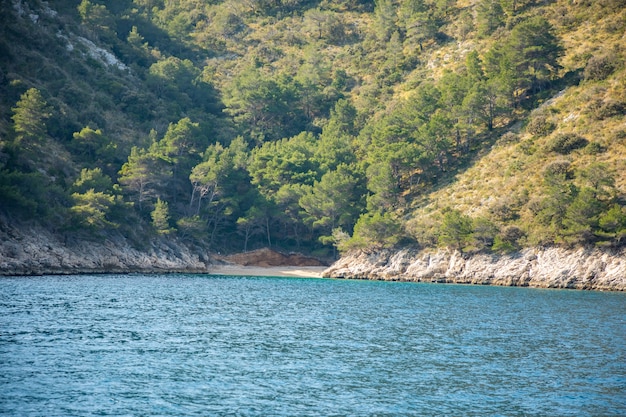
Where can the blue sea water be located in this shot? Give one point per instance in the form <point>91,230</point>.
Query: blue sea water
<point>200,345</point>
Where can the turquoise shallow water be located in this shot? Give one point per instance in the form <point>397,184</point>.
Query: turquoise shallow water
<point>175,345</point>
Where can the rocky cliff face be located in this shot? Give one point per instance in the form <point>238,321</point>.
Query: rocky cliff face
<point>591,269</point>
<point>36,251</point>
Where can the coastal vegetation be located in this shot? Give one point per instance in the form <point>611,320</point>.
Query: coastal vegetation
<point>316,125</point>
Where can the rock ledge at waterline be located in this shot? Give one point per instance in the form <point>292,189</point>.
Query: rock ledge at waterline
<point>36,251</point>
<point>590,269</point>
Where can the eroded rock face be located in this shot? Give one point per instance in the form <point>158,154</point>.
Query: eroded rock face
<point>591,268</point>
<point>35,251</point>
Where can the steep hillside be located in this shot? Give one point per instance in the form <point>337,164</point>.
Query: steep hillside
<point>482,126</point>
<point>579,130</point>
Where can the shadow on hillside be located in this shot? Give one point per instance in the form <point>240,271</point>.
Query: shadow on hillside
<point>484,143</point>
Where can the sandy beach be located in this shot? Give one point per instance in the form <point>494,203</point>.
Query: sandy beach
<point>271,271</point>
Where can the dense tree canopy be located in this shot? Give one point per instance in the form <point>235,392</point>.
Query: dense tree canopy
<point>307,124</point>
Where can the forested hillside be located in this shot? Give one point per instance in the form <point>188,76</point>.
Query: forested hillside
<point>312,125</point>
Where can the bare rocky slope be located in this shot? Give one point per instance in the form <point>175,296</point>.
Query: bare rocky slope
<point>590,269</point>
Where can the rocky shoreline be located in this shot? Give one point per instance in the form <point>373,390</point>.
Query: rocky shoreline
<point>37,251</point>
<point>582,268</point>
<point>33,250</point>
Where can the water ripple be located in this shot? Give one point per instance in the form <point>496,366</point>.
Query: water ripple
<point>244,346</point>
